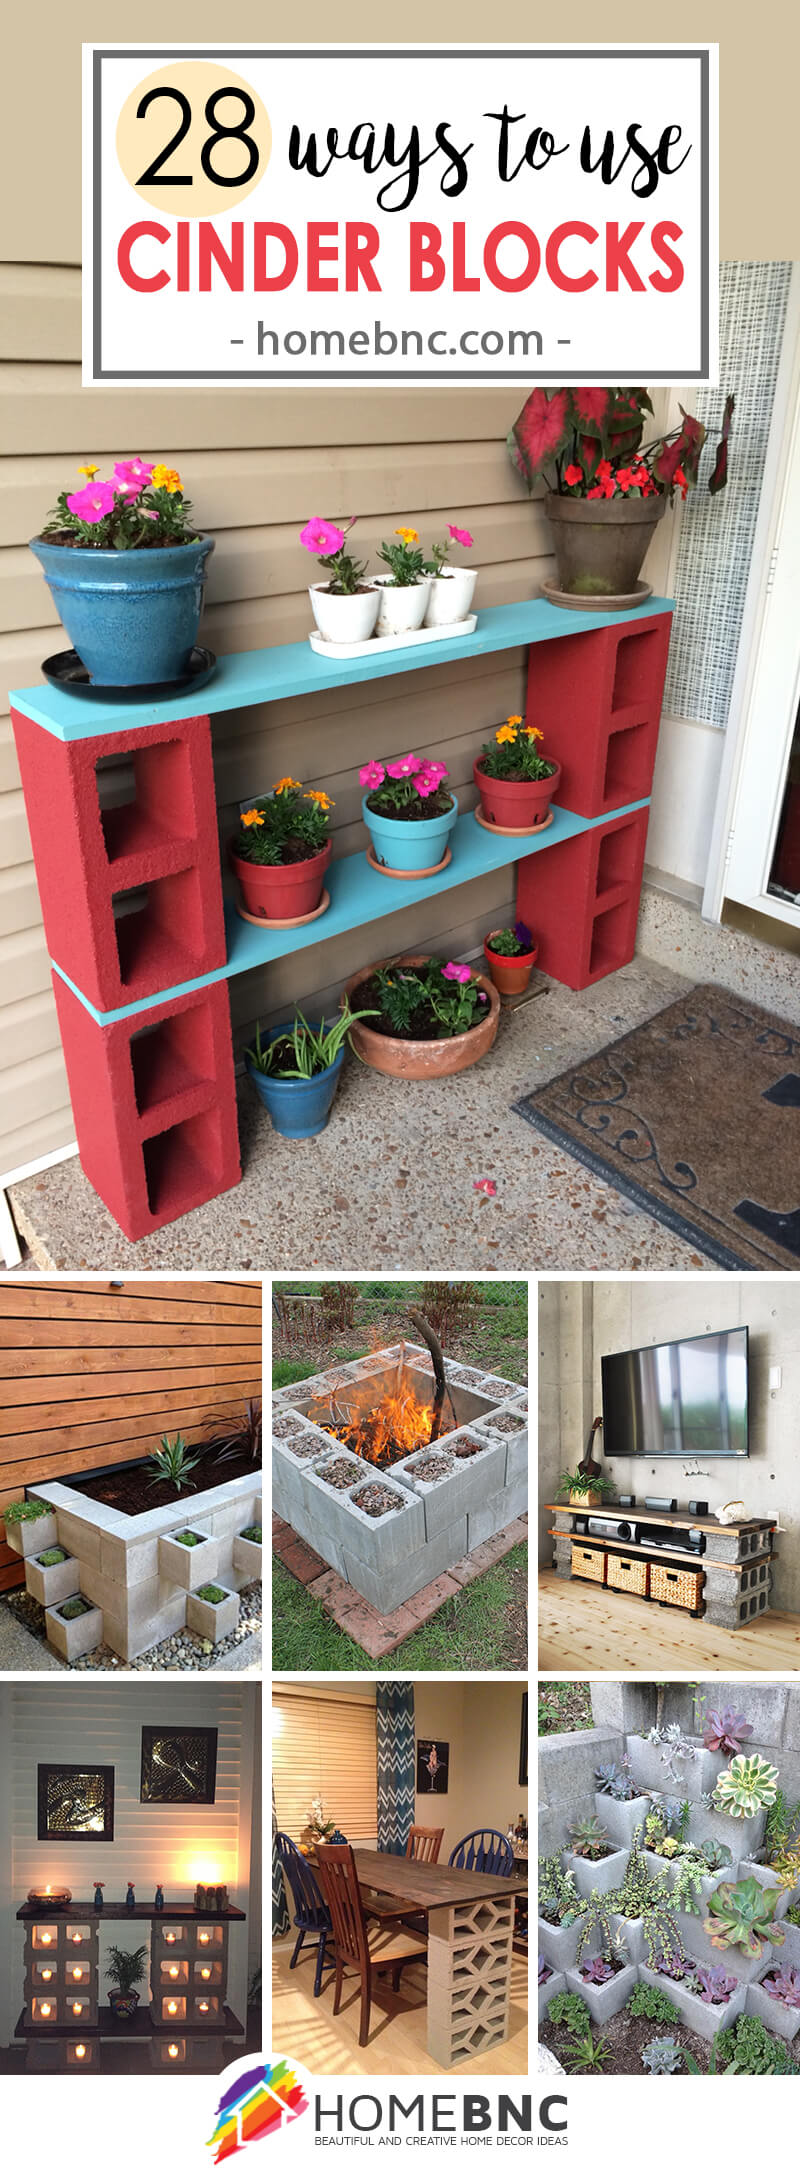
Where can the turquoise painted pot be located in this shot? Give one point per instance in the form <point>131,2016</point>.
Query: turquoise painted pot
<point>413,848</point>
<point>298,1108</point>
<point>131,616</point>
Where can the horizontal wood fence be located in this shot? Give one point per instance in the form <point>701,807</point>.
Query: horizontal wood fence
<point>93,1374</point>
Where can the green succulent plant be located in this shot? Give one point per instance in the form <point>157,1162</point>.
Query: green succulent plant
<point>747,1786</point>
<point>741,1915</point>
<point>662,2057</point>
<point>749,2050</point>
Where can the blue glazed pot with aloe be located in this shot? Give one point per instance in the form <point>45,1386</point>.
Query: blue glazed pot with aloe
<point>132,616</point>
<point>299,1106</point>
<point>415,848</point>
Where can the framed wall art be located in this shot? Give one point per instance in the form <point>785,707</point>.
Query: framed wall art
<point>179,1765</point>
<point>75,1803</point>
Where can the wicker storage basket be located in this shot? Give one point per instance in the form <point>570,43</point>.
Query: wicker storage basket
<point>588,1563</point>
<point>674,1583</point>
<point>631,1573</point>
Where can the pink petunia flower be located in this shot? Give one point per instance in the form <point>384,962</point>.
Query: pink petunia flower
<point>321,537</point>
<point>404,767</point>
<point>132,477</point>
<point>484,1186</point>
<point>455,972</point>
<point>460,536</point>
<point>93,503</point>
<point>424,784</point>
<point>434,770</point>
<point>372,774</point>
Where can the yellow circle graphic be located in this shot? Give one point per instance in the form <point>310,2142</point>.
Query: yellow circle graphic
<point>193,139</point>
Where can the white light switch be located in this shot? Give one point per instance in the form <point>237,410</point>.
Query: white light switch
<point>775,1378</point>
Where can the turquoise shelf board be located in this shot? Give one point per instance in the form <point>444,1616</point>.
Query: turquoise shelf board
<point>359,895</point>
<point>293,668</point>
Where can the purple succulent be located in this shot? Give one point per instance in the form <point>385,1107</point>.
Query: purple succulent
<point>597,1971</point>
<point>545,1970</point>
<point>784,1985</point>
<point>713,1984</point>
<point>673,1967</point>
<point>725,1731</point>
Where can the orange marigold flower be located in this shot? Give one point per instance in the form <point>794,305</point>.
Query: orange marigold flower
<point>409,536</point>
<point>513,721</point>
<point>252,816</point>
<point>90,469</point>
<point>505,732</point>
<point>283,785</point>
<point>534,733</point>
<point>322,799</point>
<point>165,479</point>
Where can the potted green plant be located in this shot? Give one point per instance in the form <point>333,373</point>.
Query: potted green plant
<point>124,1975</point>
<point>30,1526</point>
<point>126,569</point>
<point>409,813</point>
<point>586,1491</point>
<point>404,592</point>
<point>510,956</point>
<point>345,607</point>
<point>281,851</point>
<point>452,588</point>
<point>515,783</point>
<point>605,492</point>
<point>295,1071</point>
<point>433,1017</point>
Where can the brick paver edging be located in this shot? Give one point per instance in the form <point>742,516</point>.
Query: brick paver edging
<point>378,1635</point>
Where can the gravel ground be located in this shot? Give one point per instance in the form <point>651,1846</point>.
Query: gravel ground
<point>184,1651</point>
<point>341,1474</point>
<point>374,1499</point>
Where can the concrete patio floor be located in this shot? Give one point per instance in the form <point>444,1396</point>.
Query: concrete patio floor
<point>389,1185</point>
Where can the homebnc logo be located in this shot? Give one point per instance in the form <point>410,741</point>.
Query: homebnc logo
<point>260,2100</point>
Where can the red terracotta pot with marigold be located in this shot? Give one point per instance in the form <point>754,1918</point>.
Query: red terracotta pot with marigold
<point>605,490</point>
<point>281,852</point>
<point>515,783</point>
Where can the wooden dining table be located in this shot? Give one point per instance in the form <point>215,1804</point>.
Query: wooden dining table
<point>470,1936</point>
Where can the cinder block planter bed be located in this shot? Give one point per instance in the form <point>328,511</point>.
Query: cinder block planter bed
<point>393,1507</point>
<point>677,1952</point>
<point>127,1557</point>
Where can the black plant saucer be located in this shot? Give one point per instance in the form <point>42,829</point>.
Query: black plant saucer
<point>67,670</point>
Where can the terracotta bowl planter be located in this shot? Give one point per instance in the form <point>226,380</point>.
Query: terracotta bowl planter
<point>516,804</point>
<point>285,892</point>
<point>510,971</point>
<point>434,1060</point>
<point>599,544</point>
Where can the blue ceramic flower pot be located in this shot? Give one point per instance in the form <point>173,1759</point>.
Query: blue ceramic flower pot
<point>298,1108</point>
<point>131,616</point>
<point>414,848</point>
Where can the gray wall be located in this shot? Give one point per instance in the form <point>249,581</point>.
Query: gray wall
<point>579,1322</point>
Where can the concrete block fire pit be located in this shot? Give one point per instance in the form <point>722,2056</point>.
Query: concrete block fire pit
<point>410,1508</point>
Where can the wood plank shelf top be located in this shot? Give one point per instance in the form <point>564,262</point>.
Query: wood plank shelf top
<point>138,2027</point>
<point>81,1914</point>
<point>360,895</point>
<point>637,1514</point>
<point>293,668</point>
<point>673,1555</point>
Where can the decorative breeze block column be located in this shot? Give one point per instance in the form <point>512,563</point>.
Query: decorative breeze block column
<point>469,1967</point>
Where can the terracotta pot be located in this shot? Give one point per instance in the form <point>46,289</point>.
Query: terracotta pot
<point>510,972</point>
<point>284,893</point>
<point>599,544</point>
<point>516,803</point>
<point>435,1060</point>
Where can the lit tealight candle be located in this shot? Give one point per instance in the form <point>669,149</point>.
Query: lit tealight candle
<point>205,1971</point>
<point>205,1938</point>
<point>45,2009</point>
<point>173,1971</point>
<point>77,1939</point>
<point>80,2051</point>
<point>46,1973</point>
<point>77,1971</point>
<point>46,1941</point>
<point>171,1937</point>
<point>76,2009</point>
<point>202,2006</point>
<point>172,2009</point>
<point>172,2051</point>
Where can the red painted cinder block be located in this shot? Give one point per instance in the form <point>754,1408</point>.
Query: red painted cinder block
<point>597,699</point>
<point>164,839</point>
<point>154,1104</point>
<point>581,899</point>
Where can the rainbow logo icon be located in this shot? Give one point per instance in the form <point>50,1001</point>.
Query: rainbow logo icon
<point>258,2102</point>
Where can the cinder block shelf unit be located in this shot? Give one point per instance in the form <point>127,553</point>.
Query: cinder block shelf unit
<point>726,1578</point>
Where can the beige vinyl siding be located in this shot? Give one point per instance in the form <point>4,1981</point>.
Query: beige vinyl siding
<point>256,464</point>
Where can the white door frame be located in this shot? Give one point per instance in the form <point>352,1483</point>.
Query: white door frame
<point>767,677</point>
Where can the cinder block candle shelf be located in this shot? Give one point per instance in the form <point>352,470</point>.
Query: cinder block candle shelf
<point>141,946</point>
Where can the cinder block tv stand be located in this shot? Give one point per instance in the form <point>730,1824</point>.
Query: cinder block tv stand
<point>725,1577</point>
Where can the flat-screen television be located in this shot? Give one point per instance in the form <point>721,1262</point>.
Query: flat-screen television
<point>686,1399</point>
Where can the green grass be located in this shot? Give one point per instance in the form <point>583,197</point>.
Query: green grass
<point>290,1371</point>
<point>474,1630</point>
<point>566,1706</point>
<point>498,1341</point>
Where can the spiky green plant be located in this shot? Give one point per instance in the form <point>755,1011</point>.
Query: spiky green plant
<point>662,2057</point>
<point>587,2054</point>
<point>589,1839</point>
<point>172,1462</point>
<point>741,1915</point>
<point>748,1785</point>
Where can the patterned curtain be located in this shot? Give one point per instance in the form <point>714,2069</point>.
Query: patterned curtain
<point>280,1909</point>
<point>396,1775</point>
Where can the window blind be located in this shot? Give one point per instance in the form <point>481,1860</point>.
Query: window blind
<point>325,1748</point>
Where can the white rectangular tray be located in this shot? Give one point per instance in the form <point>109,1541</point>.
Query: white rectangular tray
<point>393,642</point>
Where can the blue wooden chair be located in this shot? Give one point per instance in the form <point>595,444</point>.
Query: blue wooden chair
<point>484,1851</point>
<point>311,1915</point>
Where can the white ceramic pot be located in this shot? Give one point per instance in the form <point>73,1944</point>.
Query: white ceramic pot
<point>344,619</point>
<point>451,596</point>
<point>401,605</point>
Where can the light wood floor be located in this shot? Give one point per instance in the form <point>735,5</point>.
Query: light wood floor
<point>583,1627</point>
<point>328,2045</point>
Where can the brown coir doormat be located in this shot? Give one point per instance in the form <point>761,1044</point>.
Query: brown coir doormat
<point>695,1116</point>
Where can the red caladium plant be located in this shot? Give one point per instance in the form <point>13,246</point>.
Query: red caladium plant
<point>586,442</point>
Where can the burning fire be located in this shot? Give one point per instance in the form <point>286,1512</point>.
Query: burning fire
<point>400,1423</point>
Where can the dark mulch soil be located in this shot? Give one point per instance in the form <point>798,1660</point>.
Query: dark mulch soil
<point>132,1489</point>
<point>626,2037</point>
<point>414,812</point>
<point>70,543</point>
<point>423,1026</point>
<point>290,850</point>
<point>375,1500</point>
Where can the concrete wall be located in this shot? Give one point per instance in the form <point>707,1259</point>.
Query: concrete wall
<point>588,1320</point>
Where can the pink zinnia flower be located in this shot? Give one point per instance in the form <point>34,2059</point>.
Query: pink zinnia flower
<point>404,767</point>
<point>484,1186</point>
<point>455,972</point>
<point>321,537</point>
<point>372,774</point>
<point>93,503</point>
<point>460,536</point>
